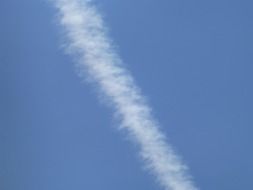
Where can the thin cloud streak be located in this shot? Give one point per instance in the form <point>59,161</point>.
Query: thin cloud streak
<point>88,41</point>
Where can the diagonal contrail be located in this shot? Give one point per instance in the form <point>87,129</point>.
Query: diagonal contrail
<point>88,41</point>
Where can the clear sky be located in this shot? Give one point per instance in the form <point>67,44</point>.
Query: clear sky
<point>193,61</point>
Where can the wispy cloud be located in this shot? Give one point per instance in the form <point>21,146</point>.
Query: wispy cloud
<point>87,39</point>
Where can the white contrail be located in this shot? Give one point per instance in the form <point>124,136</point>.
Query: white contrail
<point>87,39</point>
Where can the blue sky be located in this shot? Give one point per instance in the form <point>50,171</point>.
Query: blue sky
<point>193,62</point>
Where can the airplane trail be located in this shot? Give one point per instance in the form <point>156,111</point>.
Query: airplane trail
<point>88,41</point>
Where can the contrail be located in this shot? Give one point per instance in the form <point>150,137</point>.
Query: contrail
<point>87,39</point>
